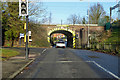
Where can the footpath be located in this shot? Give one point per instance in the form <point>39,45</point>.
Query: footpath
<point>14,65</point>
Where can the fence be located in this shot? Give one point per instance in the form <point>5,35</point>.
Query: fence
<point>109,47</point>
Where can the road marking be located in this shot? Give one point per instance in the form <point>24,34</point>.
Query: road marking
<point>71,61</point>
<point>106,70</point>
<point>86,61</point>
<point>44,50</point>
<point>62,61</point>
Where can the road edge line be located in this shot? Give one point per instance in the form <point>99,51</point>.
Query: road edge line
<point>17,72</point>
<point>106,70</point>
<point>44,50</point>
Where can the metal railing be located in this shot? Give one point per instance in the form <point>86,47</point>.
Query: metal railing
<point>109,47</point>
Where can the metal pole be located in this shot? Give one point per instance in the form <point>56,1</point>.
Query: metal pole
<point>26,46</point>
<point>119,10</point>
<point>88,23</point>
<point>61,23</point>
<point>0,29</point>
<point>110,14</point>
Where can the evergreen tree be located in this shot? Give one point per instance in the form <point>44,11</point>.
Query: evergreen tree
<point>12,23</point>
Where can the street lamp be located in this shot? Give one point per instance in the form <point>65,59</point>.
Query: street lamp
<point>88,24</point>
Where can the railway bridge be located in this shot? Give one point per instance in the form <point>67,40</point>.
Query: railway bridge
<point>77,34</point>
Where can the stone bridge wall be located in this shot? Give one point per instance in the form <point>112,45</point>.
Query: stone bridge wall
<point>81,29</point>
<point>77,27</point>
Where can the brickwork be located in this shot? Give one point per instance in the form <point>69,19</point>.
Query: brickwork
<point>79,28</point>
<point>76,27</point>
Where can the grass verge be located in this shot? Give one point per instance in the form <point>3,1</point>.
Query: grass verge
<point>7,53</point>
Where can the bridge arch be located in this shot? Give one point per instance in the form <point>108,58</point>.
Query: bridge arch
<point>69,33</point>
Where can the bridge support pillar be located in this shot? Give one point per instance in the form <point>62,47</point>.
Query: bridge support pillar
<point>83,38</point>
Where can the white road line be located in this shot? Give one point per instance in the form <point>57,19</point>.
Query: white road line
<point>62,61</point>
<point>87,61</point>
<point>71,61</point>
<point>44,50</point>
<point>106,70</point>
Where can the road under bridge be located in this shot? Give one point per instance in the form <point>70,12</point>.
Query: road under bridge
<point>77,34</point>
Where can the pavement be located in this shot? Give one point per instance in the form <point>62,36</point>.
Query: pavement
<point>14,65</point>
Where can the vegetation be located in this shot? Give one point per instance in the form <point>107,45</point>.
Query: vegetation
<point>96,12</point>
<point>114,33</point>
<point>114,36</point>
<point>83,20</point>
<point>109,41</point>
<point>97,15</point>
<point>13,24</point>
<point>39,35</point>
<point>74,19</point>
<point>7,53</point>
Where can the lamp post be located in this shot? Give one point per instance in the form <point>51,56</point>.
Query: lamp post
<point>88,24</point>
<point>61,24</point>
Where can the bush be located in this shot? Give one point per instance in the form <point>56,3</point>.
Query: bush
<point>39,36</point>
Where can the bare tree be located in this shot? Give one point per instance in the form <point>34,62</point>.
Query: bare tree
<point>79,20</point>
<point>107,18</point>
<point>37,10</point>
<point>83,20</point>
<point>96,12</point>
<point>102,21</point>
<point>72,19</point>
<point>44,20</point>
<point>50,18</point>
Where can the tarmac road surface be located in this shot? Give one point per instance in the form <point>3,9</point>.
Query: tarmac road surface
<point>68,63</point>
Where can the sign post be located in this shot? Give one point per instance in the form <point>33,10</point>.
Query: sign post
<point>26,46</point>
<point>23,11</point>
